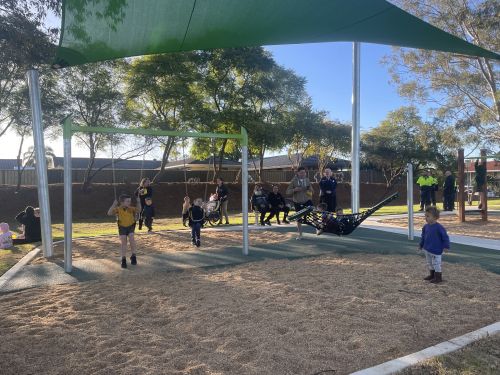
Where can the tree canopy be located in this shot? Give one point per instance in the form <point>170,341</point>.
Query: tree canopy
<point>461,90</point>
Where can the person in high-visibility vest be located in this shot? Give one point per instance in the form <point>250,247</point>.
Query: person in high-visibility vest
<point>426,183</point>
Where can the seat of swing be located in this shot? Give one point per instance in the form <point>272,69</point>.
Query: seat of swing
<point>341,225</point>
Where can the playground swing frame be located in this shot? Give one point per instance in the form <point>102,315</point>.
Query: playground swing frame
<point>69,129</point>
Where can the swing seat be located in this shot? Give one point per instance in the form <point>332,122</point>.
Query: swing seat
<point>340,225</point>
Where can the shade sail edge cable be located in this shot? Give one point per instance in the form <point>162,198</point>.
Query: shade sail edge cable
<point>188,24</point>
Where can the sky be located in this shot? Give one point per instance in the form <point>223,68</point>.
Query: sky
<point>327,68</point>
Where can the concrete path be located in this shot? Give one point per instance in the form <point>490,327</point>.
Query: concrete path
<point>362,241</point>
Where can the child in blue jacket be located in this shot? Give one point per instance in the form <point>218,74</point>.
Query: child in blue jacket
<point>433,242</point>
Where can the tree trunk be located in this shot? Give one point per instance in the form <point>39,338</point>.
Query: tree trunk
<point>165,158</point>
<point>19,165</point>
<point>261,163</point>
<point>87,179</point>
<point>221,154</point>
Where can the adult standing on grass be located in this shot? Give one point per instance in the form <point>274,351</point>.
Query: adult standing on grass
<point>328,190</point>
<point>30,219</point>
<point>425,182</point>
<point>301,190</point>
<point>222,196</point>
<point>448,192</point>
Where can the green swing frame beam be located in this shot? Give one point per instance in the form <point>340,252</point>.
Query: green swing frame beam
<point>69,129</point>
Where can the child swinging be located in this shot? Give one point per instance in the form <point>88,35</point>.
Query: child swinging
<point>126,218</point>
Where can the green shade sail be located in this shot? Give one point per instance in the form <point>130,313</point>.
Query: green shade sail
<point>96,30</point>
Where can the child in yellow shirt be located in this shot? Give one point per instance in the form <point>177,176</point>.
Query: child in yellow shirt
<point>126,217</point>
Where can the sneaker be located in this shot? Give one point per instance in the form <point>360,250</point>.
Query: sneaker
<point>193,242</point>
<point>150,230</point>
<point>299,237</point>
<point>319,231</point>
<point>133,260</point>
<point>227,223</point>
<point>124,263</point>
<point>198,243</point>
<point>267,222</point>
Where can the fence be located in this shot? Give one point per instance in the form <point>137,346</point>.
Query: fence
<point>55,176</point>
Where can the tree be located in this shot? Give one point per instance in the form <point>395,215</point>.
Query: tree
<point>19,112</point>
<point>30,161</point>
<point>403,137</point>
<point>332,139</point>
<point>24,44</point>
<point>303,130</point>
<point>94,99</point>
<point>159,95</point>
<point>225,76</point>
<point>269,97</point>
<point>463,90</point>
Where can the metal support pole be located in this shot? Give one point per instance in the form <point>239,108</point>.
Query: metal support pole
<point>484,201</point>
<point>409,199</point>
<point>41,162</point>
<point>244,187</point>
<point>68,199</point>
<point>356,51</point>
<point>461,186</point>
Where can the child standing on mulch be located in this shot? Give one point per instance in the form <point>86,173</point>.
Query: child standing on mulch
<point>126,218</point>
<point>147,214</point>
<point>433,242</point>
<point>196,216</point>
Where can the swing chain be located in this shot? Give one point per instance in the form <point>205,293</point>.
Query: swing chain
<point>113,167</point>
<point>184,162</point>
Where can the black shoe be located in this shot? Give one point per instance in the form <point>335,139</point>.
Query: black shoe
<point>268,222</point>
<point>421,210</point>
<point>262,223</point>
<point>198,243</point>
<point>124,263</point>
<point>227,223</point>
<point>150,229</point>
<point>193,241</point>
<point>140,224</point>
<point>133,260</point>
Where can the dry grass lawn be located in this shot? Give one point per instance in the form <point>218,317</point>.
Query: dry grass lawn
<point>480,358</point>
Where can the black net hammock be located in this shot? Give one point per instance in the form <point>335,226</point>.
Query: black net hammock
<point>341,225</point>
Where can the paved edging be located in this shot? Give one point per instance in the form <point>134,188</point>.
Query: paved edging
<point>484,243</point>
<point>11,272</point>
<point>398,364</point>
